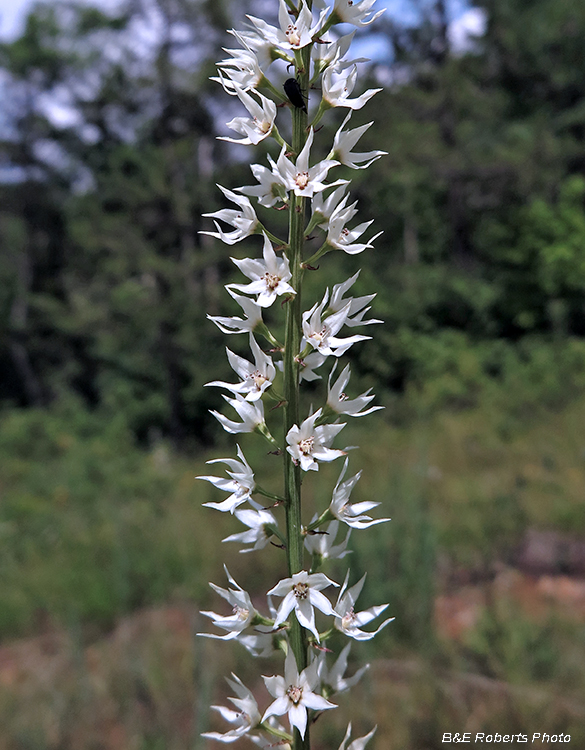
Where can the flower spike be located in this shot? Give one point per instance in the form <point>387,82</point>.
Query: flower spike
<point>309,54</point>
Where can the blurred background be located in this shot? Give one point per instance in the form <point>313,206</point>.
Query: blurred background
<point>108,158</point>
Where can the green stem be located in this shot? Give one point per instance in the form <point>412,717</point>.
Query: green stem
<point>273,237</point>
<point>278,138</point>
<point>275,532</point>
<point>323,107</point>
<point>263,430</point>
<point>276,732</point>
<point>323,250</point>
<point>270,495</point>
<point>292,473</point>
<point>262,329</point>
<point>265,83</point>
<point>327,515</point>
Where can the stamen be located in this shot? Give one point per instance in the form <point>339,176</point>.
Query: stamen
<point>306,446</point>
<point>302,180</point>
<point>348,619</point>
<point>292,35</point>
<point>271,280</point>
<point>241,612</point>
<point>258,378</point>
<point>295,694</point>
<point>301,590</point>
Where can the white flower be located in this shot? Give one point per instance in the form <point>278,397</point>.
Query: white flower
<point>245,719</point>
<point>308,444</point>
<point>245,220</point>
<point>259,534</point>
<point>255,378</point>
<point>322,544</point>
<point>252,312</point>
<point>258,127</point>
<point>252,415</point>
<point>356,12</point>
<point>324,54</point>
<point>344,511</point>
<point>256,43</point>
<point>321,334</point>
<point>269,277</point>
<point>243,71</point>
<point>258,645</point>
<point>339,81</point>
<point>302,592</point>
<point>266,642</point>
<point>348,621</point>
<point>293,34</point>
<point>358,305</point>
<point>308,365</point>
<point>340,237</point>
<point>322,208</point>
<point>268,743</point>
<point>358,744</point>
<point>344,141</point>
<point>241,484</point>
<point>243,611</point>
<point>303,180</point>
<point>294,694</point>
<point>333,680</point>
<point>339,402</point>
<point>271,189</point>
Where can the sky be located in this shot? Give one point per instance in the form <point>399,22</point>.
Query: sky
<point>465,20</point>
<point>13,12</point>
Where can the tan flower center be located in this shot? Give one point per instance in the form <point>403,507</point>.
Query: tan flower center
<point>258,378</point>
<point>240,490</point>
<point>301,590</point>
<point>302,180</point>
<point>346,511</point>
<point>306,446</point>
<point>292,35</point>
<point>241,612</point>
<point>348,619</point>
<point>295,693</point>
<point>271,280</point>
<point>319,336</point>
<point>264,126</point>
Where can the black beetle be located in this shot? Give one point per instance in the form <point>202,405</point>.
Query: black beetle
<point>293,90</point>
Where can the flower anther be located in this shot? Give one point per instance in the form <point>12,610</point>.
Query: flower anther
<point>292,35</point>
<point>301,590</point>
<point>302,180</point>
<point>295,693</point>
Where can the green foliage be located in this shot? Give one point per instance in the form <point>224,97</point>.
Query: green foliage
<point>81,507</point>
<point>553,237</point>
<point>514,648</point>
<point>106,281</point>
<point>400,558</point>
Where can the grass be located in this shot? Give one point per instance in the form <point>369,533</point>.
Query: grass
<point>94,529</point>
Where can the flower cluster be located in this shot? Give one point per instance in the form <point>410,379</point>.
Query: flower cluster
<point>319,204</point>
